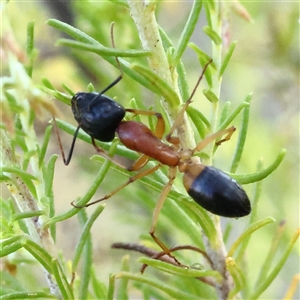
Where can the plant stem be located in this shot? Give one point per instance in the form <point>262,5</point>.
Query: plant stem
<point>27,203</point>
<point>25,200</point>
<point>217,252</point>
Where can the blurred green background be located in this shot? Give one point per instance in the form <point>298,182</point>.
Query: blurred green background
<point>265,62</point>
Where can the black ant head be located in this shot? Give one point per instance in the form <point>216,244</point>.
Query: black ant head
<point>98,115</point>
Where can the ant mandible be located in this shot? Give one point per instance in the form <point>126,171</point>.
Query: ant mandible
<point>101,117</point>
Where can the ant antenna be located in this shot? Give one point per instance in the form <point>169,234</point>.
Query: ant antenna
<point>117,60</point>
<point>113,45</point>
<point>187,103</point>
<point>118,64</point>
<point>66,161</point>
<point>199,80</point>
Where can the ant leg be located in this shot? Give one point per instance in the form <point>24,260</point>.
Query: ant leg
<point>160,125</point>
<point>107,156</point>
<point>130,180</point>
<point>229,131</point>
<point>158,207</point>
<point>137,165</point>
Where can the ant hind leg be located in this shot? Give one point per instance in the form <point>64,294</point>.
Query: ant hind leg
<point>158,207</point>
<point>210,138</point>
<point>130,180</point>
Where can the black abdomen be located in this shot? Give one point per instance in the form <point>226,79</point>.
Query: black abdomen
<point>216,191</point>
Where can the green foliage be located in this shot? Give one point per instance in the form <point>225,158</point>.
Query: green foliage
<point>29,222</point>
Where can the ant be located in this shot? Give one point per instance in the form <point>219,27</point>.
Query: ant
<point>101,117</point>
